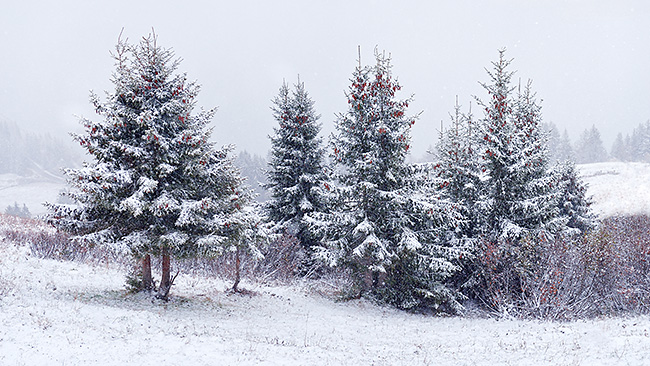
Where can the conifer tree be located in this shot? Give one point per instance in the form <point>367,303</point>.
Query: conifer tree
<point>565,150</point>
<point>619,150</point>
<point>295,175</point>
<point>458,168</point>
<point>534,208</point>
<point>517,187</point>
<point>589,148</point>
<point>387,227</point>
<point>156,184</point>
<point>553,143</point>
<point>519,201</point>
<point>572,200</point>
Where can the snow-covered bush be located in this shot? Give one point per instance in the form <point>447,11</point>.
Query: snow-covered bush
<point>619,254</point>
<point>45,242</point>
<point>283,260</point>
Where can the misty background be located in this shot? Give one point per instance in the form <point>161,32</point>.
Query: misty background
<point>588,59</point>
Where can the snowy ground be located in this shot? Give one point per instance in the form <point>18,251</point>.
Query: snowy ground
<point>68,313</point>
<point>618,187</point>
<point>65,313</point>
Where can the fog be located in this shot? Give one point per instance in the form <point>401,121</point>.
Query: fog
<point>588,59</point>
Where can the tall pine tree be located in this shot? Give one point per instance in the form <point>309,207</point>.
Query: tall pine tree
<point>156,184</point>
<point>295,175</point>
<point>516,186</point>
<point>386,227</point>
<point>458,168</point>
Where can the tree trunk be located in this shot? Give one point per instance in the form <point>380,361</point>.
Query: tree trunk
<point>237,273</point>
<point>147,279</point>
<point>165,281</point>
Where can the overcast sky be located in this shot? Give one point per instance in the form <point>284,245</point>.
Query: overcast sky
<point>589,60</point>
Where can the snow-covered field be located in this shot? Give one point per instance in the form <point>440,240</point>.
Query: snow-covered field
<point>68,313</point>
<point>618,188</point>
<point>64,313</point>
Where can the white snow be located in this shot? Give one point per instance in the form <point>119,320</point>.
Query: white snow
<point>16,189</point>
<point>618,188</point>
<point>67,313</point>
<point>70,313</point>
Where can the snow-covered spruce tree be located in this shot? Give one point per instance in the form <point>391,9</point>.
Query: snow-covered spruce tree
<point>516,186</point>
<point>518,206</point>
<point>572,200</point>
<point>385,227</point>
<point>458,168</point>
<point>156,184</point>
<point>458,173</point>
<point>535,210</point>
<point>619,150</point>
<point>295,175</point>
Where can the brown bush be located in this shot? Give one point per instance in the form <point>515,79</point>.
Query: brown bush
<point>606,272</point>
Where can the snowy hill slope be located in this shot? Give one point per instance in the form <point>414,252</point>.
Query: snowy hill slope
<point>618,188</point>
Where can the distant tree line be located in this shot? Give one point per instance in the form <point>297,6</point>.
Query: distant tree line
<point>253,168</point>
<point>16,210</point>
<point>589,148</point>
<point>635,146</point>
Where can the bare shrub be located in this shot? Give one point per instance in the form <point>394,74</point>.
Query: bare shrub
<point>606,272</point>
<point>284,260</point>
<point>620,257</point>
<point>500,267</point>
<point>561,286</point>
<point>46,242</point>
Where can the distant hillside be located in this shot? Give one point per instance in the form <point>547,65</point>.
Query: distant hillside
<point>34,156</point>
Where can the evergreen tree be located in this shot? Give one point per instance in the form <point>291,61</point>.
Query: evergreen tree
<point>295,175</point>
<point>553,143</point>
<point>514,161</point>
<point>638,146</point>
<point>572,200</point>
<point>517,204</point>
<point>590,147</point>
<point>635,145</point>
<point>565,150</point>
<point>534,210</point>
<point>619,150</point>
<point>386,227</point>
<point>156,184</point>
<point>645,141</point>
<point>458,168</point>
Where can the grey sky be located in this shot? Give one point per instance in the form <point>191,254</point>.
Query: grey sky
<point>589,60</point>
